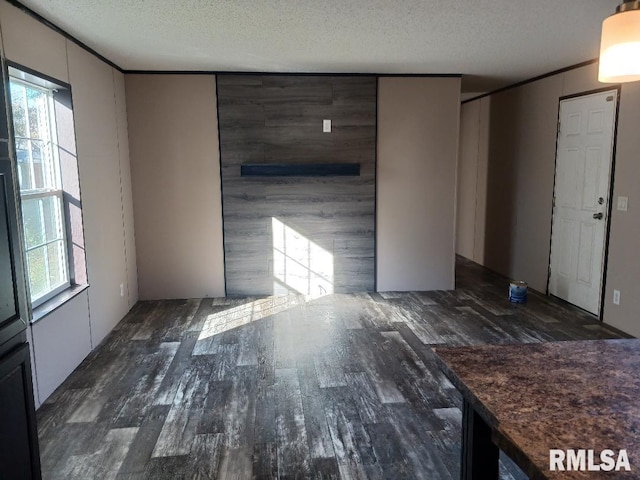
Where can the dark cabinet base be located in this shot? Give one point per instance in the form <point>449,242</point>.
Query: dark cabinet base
<point>19,457</point>
<point>480,456</point>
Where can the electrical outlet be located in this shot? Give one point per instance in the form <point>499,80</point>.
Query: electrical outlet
<point>122,289</point>
<point>616,297</point>
<point>326,126</point>
<point>623,204</point>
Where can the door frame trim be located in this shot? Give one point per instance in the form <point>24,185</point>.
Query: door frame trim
<point>603,285</point>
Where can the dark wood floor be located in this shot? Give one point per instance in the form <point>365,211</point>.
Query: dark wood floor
<point>342,386</point>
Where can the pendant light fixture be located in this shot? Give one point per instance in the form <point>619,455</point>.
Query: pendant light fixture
<point>620,45</point>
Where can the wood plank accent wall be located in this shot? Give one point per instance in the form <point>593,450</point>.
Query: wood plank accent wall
<point>324,226</point>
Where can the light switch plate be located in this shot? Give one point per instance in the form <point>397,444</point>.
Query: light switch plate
<point>623,204</point>
<point>326,126</point>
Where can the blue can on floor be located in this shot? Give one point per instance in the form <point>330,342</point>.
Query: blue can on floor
<point>518,292</point>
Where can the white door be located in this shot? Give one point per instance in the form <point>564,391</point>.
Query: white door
<point>581,198</point>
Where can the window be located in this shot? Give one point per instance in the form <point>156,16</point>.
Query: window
<point>41,192</point>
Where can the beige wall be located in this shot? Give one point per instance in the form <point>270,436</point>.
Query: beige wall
<point>418,121</point>
<point>482,181</point>
<point>467,177</point>
<point>175,166</point>
<point>521,170</point>
<point>472,179</point>
<point>95,114</point>
<point>30,43</point>
<point>126,190</point>
<point>61,340</point>
<point>623,268</point>
<point>520,176</point>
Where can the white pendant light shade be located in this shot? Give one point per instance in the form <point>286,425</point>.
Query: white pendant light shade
<point>620,48</point>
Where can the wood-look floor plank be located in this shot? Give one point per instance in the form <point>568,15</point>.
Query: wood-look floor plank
<point>178,323</point>
<point>325,469</point>
<point>181,360</point>
<point>224,365</point>
<point>146,327</point>
<point>346,434</point>
<point>370,408</point>
<point>265,461</point>
<point>56,410</point>
<point>180,428</point>
<point>105,462</point>
<point>204,309</point>
<point>292,443</point>
<point>265,351</point>
<point>154,369</point>
<point>329,370</point>
<point>54,453</point>
<point>98,395</point>
<point>265,426</point>
<point>212,415</point>
<point>372,363</point>
<point>236,463</point>
<point>177,434</point>
<point>286,338</point>
<point>204,457</point>
<point>145,440</point>
<point>315,421</point>
<point>248,346</point>
<point>421,453</point>
<point>239,420</point>
<point>167,468</point>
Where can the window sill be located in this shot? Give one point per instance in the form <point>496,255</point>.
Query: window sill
<point>56,302</point>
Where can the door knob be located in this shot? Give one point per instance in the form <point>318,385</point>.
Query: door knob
<point>598,216</point>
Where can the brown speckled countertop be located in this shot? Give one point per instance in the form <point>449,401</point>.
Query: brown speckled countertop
<point>559,395</point>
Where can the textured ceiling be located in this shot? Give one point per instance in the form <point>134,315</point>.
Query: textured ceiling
<point>494,42</point>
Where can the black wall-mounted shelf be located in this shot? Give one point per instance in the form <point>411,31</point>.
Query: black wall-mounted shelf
<point>300,170</point>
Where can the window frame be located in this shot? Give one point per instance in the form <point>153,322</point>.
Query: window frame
<point>64,239</point>
<point>35,80</point>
